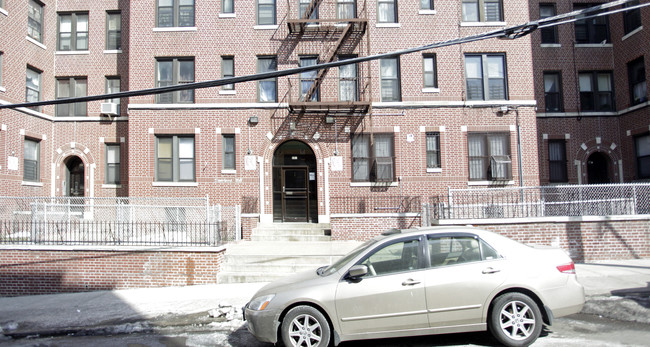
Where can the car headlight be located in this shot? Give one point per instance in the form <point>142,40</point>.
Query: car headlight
<point>260,303</point>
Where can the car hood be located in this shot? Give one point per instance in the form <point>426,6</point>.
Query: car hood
<point>293,282</point>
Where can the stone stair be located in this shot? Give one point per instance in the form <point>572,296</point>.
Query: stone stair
<point>278,250</point>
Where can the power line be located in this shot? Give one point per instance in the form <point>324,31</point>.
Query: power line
<point>512,32</point>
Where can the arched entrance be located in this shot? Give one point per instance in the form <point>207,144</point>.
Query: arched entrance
<point>294,183</point>
<point>598,169</point>
<point>74,177</point>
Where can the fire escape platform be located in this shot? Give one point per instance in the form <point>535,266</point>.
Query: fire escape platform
<point>319,27</point>
<point>330,108</point>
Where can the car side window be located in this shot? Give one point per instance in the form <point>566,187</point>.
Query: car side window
<point>396,257</point>
<point>454,250</point>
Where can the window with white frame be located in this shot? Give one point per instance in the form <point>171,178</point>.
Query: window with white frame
<point>485,75</point>
<point>70,87</point>
<point>433,150</point>
<point>267,88</point>
<point>636,78</point>
<point>348,81</point>
<point>73,31</point>
<point>557,161</point>
<point>175,158</point>
<point>489,156</point>
<point>175,13</point>
<point>228,70</point>
<point>35,20</point>
<point>482,10</point>
<point>112,174</point>
<point>1,67</point>
<point>228,6</point>
<point>173,71</point>
<point>31,160</point>
<point>33,86</point>
<point>266,12</point>
<point>308,79</point>
<point>346,9</point>
<point>304,6</point>
<point>113,86</point>
<point>596,91</point>
<point>426,4</point>
<point>390,79</point>
<point>373,162</point>
<point>553,91</point>
<point>430,73</point>
<point>113,30</point>
<point>642,147</point>
<point>592,30</point>
<point>387,11</point>
<point>228,151</point>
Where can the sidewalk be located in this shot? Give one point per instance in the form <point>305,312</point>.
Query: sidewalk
<point>615,289</point>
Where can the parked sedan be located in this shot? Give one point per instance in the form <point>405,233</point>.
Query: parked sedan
<point>421,282</point>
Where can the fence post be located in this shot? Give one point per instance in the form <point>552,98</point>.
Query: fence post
<point>238,230</point>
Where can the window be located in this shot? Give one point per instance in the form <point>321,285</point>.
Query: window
<point>303,7</point>
<point>173,71</point>
<point>433,150</point>
<point>596,93</point>
<point>426,4</point>
<point>486,76</point>
<point>266,12</point>
<point>73,32</point>
<point>631,18</point>
<point>348,81</point>
<point>430,73</point>
<point>31,161</point>
<point>557,163</point>
<point>482,11</point>
<point>549,35</point>
<point>228,6</point>
<point>33,87</point>
<point>390,80</point>
<point>175,159</point>
<point>1,65</point>
<point>346,9</point>
<point>35,20</point>
<point>593,30</point>
<point>489,156</point>
<point>387,11</point>
<point>228,143</point>
<point>69,88</point>
<point>396,257</point>
<point>112,164</point>
<point>642,156</point>
<point>228,70</point>
<point>636,78</point>
<point>457,250</point>
<point>373,163</point>
<point>553,91</point>
<point>175,13</point>
<point>267,89</point>
<point>113,30</point>
<point>308,80</point>
<point>113,86</point>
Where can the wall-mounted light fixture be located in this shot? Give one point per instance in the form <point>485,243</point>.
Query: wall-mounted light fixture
<point>329,120</point>
<point>253,120</point>
<point>292,125</point>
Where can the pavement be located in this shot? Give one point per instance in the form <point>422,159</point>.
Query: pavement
<point>617,289</point>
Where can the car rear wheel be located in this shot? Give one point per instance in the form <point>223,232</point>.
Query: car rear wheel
<point>305,326</point>
<point>515,320</point>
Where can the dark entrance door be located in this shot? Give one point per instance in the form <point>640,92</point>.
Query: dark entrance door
<point>598,169</point>
<point>75,177</point>
<point>294,183</point>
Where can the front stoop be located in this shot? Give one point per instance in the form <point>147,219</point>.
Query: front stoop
<point>279,250</point>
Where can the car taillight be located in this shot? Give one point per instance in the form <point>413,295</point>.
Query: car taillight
<point>569,268</point>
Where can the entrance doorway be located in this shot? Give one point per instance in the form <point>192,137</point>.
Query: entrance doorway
<point>598,169</point>
<point>75,175</point>
<point>294,183</point>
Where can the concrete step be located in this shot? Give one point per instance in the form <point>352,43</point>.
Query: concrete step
<point>303,232</point>
<point>290,237</point>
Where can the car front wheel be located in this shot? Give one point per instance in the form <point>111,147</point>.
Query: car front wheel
<point>515,320</point>
<point>305,326</point>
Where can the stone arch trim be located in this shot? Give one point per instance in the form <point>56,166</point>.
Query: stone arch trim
<point>63,154</point>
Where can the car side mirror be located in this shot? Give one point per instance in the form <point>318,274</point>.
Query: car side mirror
<point>357,271</point>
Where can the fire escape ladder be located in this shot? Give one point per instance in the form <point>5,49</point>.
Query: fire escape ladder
<point>313,5</point>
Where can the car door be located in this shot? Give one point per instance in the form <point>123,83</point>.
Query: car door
<point>464,272</point>
<point>390,297</point>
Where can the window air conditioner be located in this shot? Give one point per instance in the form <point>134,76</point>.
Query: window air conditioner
<point>109,108</point>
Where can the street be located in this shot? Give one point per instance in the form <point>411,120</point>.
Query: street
<point>576,330</point>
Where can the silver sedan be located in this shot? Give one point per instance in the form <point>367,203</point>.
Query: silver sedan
<point>421,282</point>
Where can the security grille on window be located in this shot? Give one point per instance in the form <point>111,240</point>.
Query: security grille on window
<point>631,18</point>
<point>308,79</point>
<point>175,13</point>
<point>557,161</point>
<point>228,70</point>
<point>596,91</point>
<point>387,11</point>
<point>35,20</point>
<point>482,11</point>
<point>433,150</point>
<point>348,81</point>
<point>430,73</point>
<point>553,92</point>
<point>228,143</point>
<point>172,72</point>
<point>636,78</point>
<point>31,159</point>
<point>549,35</point>
<point>73,32</point>
<point>69,88</point>
<point>593,30</point>
<point>266,12</point>
<point>485,76</point>
<point>390,80</point>
<point>267,88</point>
<point>175,159</point>
<point>112,164</point>
<point>489,156</point>
<point>346,9</point>
<point>33,87</point>
<point>113,30</point>
<point>373,163</point>
<point>642,156</point>
<point>113,86</point>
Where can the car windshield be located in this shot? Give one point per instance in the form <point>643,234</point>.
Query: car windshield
<point>346,258</point>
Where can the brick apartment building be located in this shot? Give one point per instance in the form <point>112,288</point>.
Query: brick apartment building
<point>301,148</point>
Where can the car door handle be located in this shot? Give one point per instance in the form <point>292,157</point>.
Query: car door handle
<point>410,282</point>
<point>490,271</point>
